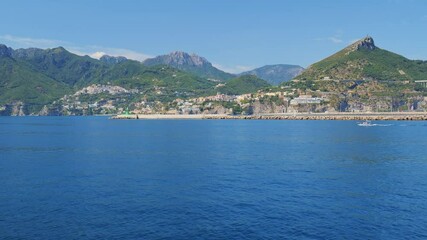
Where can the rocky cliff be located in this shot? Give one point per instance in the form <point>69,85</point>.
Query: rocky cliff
<point>191,63</point>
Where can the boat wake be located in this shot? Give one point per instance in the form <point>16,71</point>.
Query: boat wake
<point>369,124</point>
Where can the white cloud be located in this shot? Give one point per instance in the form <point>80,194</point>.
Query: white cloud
<point>335,39</point>
<point>124,52</point>
<point>99,51</point>
<point>233,69</point>
<point>92,51</point>
<point>97,55</point>
<point>31,42</point>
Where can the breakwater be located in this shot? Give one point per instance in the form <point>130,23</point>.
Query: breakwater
<point>409,116</point>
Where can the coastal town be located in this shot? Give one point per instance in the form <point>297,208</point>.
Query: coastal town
<point>290,99</point>
<point>110,99</point>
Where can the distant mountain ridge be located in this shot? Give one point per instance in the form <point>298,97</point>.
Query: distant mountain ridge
<point>276,74</point>
<point>178,58</point>
<point>364,60</point>
<point>112,60</point>
<point>61,65</point>
<point>191,63</point>
<point>5,51</point>
<point>32,78</point>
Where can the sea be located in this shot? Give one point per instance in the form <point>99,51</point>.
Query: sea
<point>96,178</point>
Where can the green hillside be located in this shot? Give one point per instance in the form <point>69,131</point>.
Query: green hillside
<point>243,84</point>
<point>61,65</point>
<point>364,60</point>
<point>19,83</point>
<point>161,83</point>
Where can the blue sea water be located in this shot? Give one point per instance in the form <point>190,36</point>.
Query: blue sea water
<point>95,178</point>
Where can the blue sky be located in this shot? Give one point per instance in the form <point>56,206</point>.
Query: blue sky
<point>235,35</point>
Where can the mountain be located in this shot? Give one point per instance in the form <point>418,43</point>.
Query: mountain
<point>19,84</point>
<point>112,60</point>
<point>5,51</point>
<point>62,65</point>
<point>243,84</point>
<point>276,74</point>
<point>32,78</point>
<point>189,63</point>
<point>364,60</point>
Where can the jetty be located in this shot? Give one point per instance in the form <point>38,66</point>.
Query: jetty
<point>396,116</point>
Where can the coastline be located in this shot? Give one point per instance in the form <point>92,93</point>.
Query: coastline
<point>397,116</point>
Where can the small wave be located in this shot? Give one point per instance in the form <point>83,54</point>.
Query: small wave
<point>412,125</point>
<point>374,125</point>
<point>383,125</point>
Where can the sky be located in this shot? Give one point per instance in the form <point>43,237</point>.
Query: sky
<point>235,35</point>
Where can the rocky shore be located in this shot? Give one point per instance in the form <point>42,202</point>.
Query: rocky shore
<point>409,116</point>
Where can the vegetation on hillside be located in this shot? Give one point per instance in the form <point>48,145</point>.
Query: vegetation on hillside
<point>61,65</point>
<point>364,63</point>
<point>243,84</point>
<point>19,83</point>
<point>37,77</point>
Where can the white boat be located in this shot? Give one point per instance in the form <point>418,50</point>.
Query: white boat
<point>366,123</point>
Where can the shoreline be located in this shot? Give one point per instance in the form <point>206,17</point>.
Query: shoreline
<point>397,116</point>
